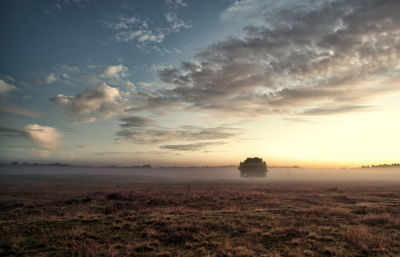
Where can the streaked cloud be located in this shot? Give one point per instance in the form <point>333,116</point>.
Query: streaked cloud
<point>337,110</point>
<point>102,102</point>
<point>146,84</point>
<point>190,147</point>
<point>47,137</point>
<point>134,121</point>
<point>12,132</point>
<point>145,131</point>
<point>19,111</point>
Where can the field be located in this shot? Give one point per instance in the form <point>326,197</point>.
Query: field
<point>113,216</point>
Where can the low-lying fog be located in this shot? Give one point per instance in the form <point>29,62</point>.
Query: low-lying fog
<point>217,173</point>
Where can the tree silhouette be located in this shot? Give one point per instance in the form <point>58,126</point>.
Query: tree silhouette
<point>253,168</point>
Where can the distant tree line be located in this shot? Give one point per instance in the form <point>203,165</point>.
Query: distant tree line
<point>57,164</point>
<point>393,165</point>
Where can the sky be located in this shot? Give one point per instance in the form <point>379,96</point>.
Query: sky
<point>314,83</point>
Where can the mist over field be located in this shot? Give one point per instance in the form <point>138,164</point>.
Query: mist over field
<point>215,173</point>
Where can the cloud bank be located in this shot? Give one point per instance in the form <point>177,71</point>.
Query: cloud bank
<point>331,56</point>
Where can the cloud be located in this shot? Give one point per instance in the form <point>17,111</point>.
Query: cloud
<point>47,137</point>
<point>144,131</point>
<point>102,102</point>
<point>190,147</point>
<point>60,4</point>
<point>134,29</point>
<point>6,88</point>
<point>130,85</point>
<point>146,84</point>
<point>171,16</point>
<point>246,12</point>
<point>142,36</point>
<point>318,55</point>
<point>337,110</point>
<point>62,72</point>
<point>134,121</point>
<point>176,23</point>
<point>19,110</point>
<point>143,32</point>
<point>175,4</point>
<point>12,132</point>
<point>86,75</point>
<point>51,78</point>
<point>115,71</point>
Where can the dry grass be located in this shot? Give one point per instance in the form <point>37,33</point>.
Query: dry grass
<point>199,219</point>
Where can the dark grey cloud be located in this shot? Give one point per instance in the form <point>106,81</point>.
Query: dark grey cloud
<point>154,135</point>
<point>135,121</point>
<point>135,153</point>
<point>337,110</point>
<point>190,147</point>
<point>14,132</point>
<point>321,54</point>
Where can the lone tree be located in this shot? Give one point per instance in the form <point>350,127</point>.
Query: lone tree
<point>253,168</point>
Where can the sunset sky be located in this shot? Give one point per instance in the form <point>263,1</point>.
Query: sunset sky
<point>314,83</point>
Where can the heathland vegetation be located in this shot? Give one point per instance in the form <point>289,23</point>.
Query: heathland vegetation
<point>79,215</point>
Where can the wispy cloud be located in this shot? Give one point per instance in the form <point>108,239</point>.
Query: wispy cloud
<point>58,5</point>
<point>175,4</point>
<point>19,111</point>
<point>136,30</point>
<point>143,32</point>
<point>6,88</point>
<point>86,75</point>
<point>63,73</point>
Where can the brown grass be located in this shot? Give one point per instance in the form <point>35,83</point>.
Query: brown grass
<point>199,219</point>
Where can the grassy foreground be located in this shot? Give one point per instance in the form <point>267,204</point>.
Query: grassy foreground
<point>56,217</point>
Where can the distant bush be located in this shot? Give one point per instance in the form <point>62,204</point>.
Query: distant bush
<point>253,168</point>
<point>114,196</point>
<point>87,199</point>
<point>71,201</point>
<point>107,210</point>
